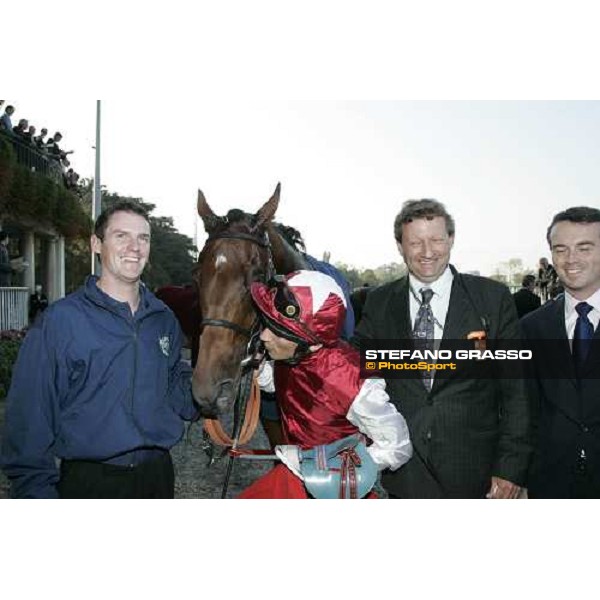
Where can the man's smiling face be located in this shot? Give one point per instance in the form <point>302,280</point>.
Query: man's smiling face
<point>576,256</point>
<point>125,248</point>
<point>426,247</point>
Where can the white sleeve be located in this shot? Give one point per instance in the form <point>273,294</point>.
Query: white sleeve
<point>376,417</point>
<point>266,380</point>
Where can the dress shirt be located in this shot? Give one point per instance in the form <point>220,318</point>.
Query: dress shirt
<point>571,314</point>
<point>440,301</point>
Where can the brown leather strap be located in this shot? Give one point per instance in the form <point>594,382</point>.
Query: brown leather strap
<point>220,437</point>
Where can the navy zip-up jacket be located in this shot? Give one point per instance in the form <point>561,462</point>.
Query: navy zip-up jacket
<point>93,381</point>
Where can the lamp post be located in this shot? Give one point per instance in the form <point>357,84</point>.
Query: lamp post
<point>97,197</point>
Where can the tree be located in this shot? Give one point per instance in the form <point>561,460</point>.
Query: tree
<point>510,272</point>
<point>382,274</point>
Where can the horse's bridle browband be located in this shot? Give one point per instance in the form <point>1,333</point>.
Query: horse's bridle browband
<point>263,243</point>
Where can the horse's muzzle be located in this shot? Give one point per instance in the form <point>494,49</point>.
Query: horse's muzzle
<point>215,400</point>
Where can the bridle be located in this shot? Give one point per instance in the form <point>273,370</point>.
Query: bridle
<point>252,333</point>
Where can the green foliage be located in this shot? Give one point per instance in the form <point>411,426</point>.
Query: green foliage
<point>382,274</point>
<point>24,193</point>
<point>7,163</point>
<point>10,342</point>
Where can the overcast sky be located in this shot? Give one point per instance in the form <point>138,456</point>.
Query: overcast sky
<point>502,168</point>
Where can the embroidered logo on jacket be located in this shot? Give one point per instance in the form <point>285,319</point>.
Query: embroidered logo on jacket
<point>165,344</point>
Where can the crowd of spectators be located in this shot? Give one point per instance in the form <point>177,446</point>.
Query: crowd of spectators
<point>49,148</point>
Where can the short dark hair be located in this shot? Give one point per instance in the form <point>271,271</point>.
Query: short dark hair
<point>120,206</point>
<point>528,280</point>
<point>3,235</point>
<point>575,214</point>
<point>422,209</point>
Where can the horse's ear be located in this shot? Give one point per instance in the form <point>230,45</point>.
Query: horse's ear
<point>206,213</point>
<point>268,210</point>
<point>204,210</point>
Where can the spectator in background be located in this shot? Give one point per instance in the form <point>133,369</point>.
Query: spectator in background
<point>29,135</point>
<point>546,278</point>
<point>70,178</point>
<point>525,300</point>
<point>5,267</point>
<point>54,149</point>
<point>5,120</point>
<point>20,129</point>
<point>39,140</point>
<point>38,302</point>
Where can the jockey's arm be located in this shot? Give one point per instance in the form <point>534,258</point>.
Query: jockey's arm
<point>377,418</point>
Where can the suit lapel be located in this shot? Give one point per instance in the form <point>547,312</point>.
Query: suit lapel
<point>460,319</point>
<point>556,329</point>
<point>400,310</point>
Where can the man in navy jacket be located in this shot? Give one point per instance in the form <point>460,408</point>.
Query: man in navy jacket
<point>99,391</point>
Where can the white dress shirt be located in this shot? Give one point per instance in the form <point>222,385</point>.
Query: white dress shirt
<point>571,314</point>
<point>440,301</point>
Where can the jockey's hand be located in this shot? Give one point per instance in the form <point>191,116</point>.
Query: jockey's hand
<point>503,489</point>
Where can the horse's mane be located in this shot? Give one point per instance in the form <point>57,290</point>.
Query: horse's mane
<point>292,236</point>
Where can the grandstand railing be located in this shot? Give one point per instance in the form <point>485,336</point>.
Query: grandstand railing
<point>14,308</point>
<point>34,159</point>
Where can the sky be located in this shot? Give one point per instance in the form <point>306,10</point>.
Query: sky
<point>502,168</point>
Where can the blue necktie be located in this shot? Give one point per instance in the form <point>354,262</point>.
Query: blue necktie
<point>582,338</point>
<point>423,333</point>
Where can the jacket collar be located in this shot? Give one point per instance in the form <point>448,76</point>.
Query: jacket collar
<point>148,301</point>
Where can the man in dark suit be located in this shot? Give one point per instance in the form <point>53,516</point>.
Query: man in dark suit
<point>470,436</point>
<point>565,339</point>
<point>525,300</point>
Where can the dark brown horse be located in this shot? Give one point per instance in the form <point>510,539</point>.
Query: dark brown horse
<point>183,301</point>
<point>241,248</point>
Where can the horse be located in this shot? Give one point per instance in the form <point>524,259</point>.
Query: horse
<point>241,248</point>
<point>183,301</point>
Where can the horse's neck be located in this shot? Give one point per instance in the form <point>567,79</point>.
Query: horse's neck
<point>286,259</point>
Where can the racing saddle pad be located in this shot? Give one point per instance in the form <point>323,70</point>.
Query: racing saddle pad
<point>343,469</point>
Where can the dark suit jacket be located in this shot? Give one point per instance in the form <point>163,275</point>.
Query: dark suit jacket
<point>566,412</point>
<point>526,302</point>
<point>464,430</point>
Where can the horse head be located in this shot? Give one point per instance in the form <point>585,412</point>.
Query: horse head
<point>236,253</point>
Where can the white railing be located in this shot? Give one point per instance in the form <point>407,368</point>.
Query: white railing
<point>14,308</point>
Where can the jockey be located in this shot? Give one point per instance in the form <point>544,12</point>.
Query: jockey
<point>321,394</point>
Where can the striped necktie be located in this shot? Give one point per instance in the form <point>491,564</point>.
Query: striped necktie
<point>423,332</point>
